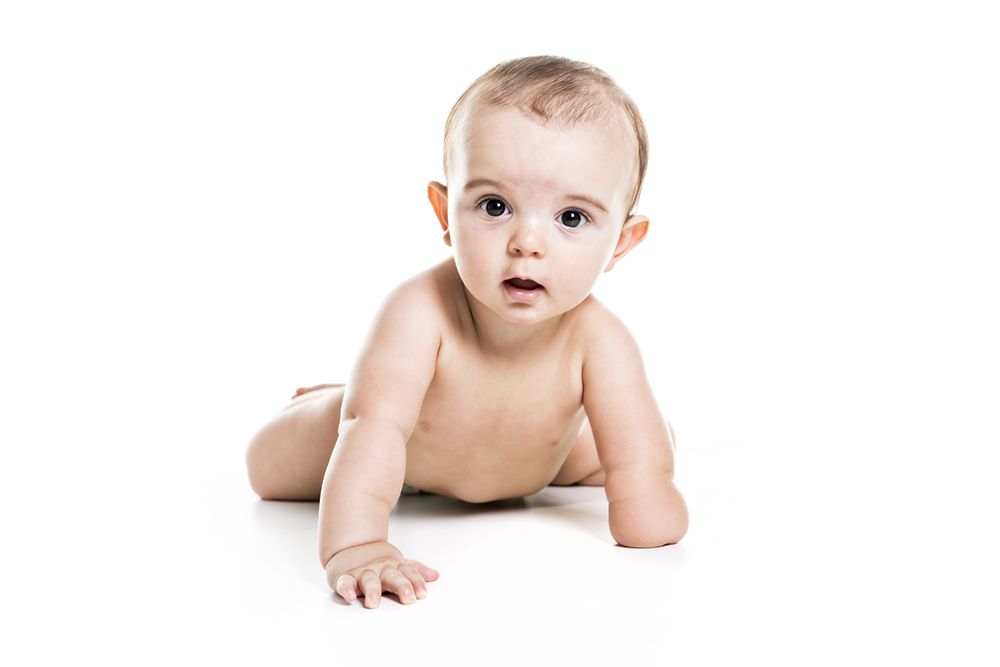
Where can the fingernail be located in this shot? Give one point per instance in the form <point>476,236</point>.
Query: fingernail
<point>408,596</point>
<point>421,593</point>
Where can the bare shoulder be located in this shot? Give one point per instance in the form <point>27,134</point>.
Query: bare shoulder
<point>616,391</point>
<point>604,337</point>
<point>628,427</point>
<point>422,301</point>
<point>425,288</point>
<point>399,356</point>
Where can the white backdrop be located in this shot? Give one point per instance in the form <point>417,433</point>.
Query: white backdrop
<point>202,204</point>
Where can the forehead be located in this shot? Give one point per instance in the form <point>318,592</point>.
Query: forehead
<point>507,145</point>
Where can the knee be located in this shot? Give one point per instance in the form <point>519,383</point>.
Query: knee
<point>260,468</point>
<point>255,472</point>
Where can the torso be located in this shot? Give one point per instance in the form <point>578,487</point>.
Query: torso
<point>495,426</point>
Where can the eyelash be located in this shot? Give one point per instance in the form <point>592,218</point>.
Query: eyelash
<point>584,218</point>
<point>482,205</point>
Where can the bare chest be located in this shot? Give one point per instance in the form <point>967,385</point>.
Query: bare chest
<point>488,419</point>
<point>503,400</point>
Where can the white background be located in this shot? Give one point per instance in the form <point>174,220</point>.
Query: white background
<point>203,203</point>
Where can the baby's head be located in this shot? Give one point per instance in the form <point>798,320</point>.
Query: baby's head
<point>545,158</point>
<point>558,91</point>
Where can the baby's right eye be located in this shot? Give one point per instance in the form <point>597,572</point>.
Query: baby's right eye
<point>494,207</point>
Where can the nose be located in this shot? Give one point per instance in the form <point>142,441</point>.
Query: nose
<point>526,240</point>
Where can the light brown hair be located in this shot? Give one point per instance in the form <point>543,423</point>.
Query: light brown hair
<point>554,89</point>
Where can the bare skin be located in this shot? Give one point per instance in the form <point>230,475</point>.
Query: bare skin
<point>494,373</point>
<point>302,436</point>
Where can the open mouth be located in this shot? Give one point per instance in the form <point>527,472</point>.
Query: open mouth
<point>523,289</point>
<point>521,284</point>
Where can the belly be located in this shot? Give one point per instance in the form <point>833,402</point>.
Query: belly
<point>499,455</point>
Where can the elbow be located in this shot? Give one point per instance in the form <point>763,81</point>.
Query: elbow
<point>642,526</point>
<point>651,535</point>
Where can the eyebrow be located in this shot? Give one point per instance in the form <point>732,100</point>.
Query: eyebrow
<point>589,200</point>
<point>486,182</point>
<point>481,182</point>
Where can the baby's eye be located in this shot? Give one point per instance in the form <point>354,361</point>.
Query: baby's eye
<point>572,218</point>
<point>494,207</point>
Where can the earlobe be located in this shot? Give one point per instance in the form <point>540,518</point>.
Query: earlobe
<point>438,196</point>
<point>633,232</point>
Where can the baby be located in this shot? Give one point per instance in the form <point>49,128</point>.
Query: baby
<point>494,373</point>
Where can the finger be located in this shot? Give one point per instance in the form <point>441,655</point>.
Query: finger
<point>371,588</point>
<point>347,587</point>
<point>417,581</point>
<point>396,582</point>
<point>428,573</point>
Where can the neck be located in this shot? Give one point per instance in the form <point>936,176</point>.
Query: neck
<point>500,338</point>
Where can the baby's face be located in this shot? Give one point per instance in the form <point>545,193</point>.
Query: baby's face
<point>535,212</point>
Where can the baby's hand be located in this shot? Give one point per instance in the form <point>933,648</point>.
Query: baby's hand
<point>368,569</point>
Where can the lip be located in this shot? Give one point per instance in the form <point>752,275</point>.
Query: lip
<point>524,290</point>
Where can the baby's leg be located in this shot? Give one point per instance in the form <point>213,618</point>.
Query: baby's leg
<point>582,466</point>
<point>306,390</point>
<point>287,458</point>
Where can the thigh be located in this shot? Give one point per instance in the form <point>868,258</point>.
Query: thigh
<point>582,465</point>
<point>287,457</point>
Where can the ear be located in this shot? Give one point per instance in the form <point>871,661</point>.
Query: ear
<point>633,232</point>
<point>438,194</point>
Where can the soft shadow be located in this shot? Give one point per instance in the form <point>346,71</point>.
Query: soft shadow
<point>658,558</point>
<point>341,602</point>
<point>555,502</point>
<point>286,532</point>
<point>592,523</point>
<point>434,506</point>
<point>285,514</point>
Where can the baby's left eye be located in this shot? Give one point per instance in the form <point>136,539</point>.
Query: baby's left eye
<point>572,218</point>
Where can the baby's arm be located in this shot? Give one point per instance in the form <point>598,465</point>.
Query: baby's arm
<point>368,465</point>
<point>634,444</point>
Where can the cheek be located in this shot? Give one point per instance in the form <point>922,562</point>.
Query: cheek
<point>594,260</point>
<point>474,238</point>
<point>473,251</point>
<point>596,251</point>
<point>463,240</point>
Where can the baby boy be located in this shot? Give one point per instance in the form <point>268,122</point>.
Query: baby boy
<point>494,373</point>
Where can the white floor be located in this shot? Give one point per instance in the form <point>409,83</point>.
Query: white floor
<point>203,203</point>
<point>789,560</point>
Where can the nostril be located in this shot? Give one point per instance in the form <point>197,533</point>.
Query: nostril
<point>525,247</point>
